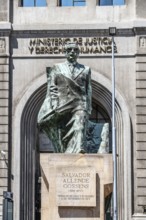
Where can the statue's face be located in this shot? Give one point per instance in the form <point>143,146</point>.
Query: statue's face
<point>72,53</point>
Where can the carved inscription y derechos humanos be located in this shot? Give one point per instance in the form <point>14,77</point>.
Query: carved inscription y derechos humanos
<point>87,45</point>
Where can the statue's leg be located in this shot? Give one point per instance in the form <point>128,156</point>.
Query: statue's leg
<point>53,134</point>
<point>76,134</point>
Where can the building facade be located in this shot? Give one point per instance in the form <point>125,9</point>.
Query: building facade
<point>32,39</point>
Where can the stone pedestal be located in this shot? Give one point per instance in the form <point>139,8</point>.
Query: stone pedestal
<point>74,186</point>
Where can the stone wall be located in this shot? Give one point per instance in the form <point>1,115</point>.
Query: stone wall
<point>140,153</point>
<point>4,130</point>
<point>4,96</point>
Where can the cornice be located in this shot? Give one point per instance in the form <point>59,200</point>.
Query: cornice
<point>140,30</point>
<point>5,28</point>
<point>73,32</point>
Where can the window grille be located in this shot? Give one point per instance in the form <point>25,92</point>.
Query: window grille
<point>72,2</point>
<point>33,3</point>
<point>111,2</point>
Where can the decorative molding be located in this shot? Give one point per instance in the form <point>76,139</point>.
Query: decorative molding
<point>2,45</point>
<point>142,42</point>
<point>140,30</point>
<point>70,33</point>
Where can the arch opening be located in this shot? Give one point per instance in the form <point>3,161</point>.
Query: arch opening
<point>28,143</point>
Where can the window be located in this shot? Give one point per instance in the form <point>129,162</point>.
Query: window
<point>33,3</point>
<point>111,2</point>
<point>72,2</point>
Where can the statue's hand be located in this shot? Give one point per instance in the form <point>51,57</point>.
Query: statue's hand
<point>54,91</point>
<point>54,96</point>
<point>54,104</point>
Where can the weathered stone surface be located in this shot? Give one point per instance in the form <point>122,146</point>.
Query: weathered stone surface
<point>2,189</point>
<point>4,137</point>
<point>141,155</point>
<point>4,76</point>
<point>141,136</point>
<point>141,182</point>
<point>141,110</point>
<point>3,172</point>
<point>4,68</point>
<point>141,75</point>
<point>3,102</point>
<point>141,92</point>
<point>141,84</point>
<point>141,5</point>
<point>4,120</point>
<point>4,94</point>
<point>3,111</point>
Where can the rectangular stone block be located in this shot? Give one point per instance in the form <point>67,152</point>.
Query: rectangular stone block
<point>3,182</point>
<point>141,75</point>
<point>3,102</point>
<point>3,120</point>
<point>141,191</point>
<point>3,128</point>
<point>3,137</point>
<point>141,155</point>
<point>141,59</point>
<point>4,76</point>
<point>4,60</point>
<point>141,164</point>
<point>140,12</point>
<point>4,85</point>
<point>1,200</point>
<point>141,136</point>
<point>141,110</point>
<point>3,164</point>
<point>4,94</point>
<point>141,128</point>
<point>141,173</point>
<point>4,146</point>
<point>141,145</point>
<point>140,101</point>
<point>141,119</point>
<point>141,201</point>
<point>3,172</point>
<point>141,67</point>
<point>2,189</point>
<point>141,182</point>
<point>141,84</point>
<point>4,111</point>
<point>4,68</point>
<point>140,92</point>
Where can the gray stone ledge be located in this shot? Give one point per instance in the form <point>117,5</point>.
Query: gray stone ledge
<point>71,32</point>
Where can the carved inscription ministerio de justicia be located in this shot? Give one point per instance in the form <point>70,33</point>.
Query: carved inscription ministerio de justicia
<point>87,45</point>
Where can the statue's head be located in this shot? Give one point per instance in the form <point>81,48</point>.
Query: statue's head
<point>71,51</point>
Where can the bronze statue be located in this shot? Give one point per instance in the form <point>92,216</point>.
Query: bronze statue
<point>66,108</point>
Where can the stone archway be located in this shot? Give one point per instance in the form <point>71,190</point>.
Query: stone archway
<point>25,118</point>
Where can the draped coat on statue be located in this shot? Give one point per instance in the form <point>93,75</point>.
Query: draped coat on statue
<point>64,112</point>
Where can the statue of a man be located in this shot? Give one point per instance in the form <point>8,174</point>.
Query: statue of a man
<point>66,108</point>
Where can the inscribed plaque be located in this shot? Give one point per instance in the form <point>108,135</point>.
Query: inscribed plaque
<point>76,186</point>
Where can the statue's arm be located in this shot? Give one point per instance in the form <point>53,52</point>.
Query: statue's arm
<point>89,92</point>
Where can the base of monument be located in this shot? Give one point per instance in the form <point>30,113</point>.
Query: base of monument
<point>75,185</point>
